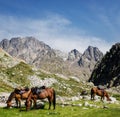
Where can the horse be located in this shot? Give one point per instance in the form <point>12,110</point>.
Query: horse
<point>41,93</point>
<point>99,92</point>
<point>18,95</point>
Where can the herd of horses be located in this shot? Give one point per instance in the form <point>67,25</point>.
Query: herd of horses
<point>37,93</point>
<point>32,95</point>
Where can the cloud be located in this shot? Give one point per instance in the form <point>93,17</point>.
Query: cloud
<point>80,43</point>
<point>54,30</point>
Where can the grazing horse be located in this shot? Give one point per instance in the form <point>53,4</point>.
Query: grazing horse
<point>99,92</point>
<point>18,95</point>
<point>41,93</point>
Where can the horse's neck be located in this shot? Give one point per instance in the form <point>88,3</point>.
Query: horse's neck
<point>29,96</point>
<point>107,96</point>
<point>29,91</point>
<point>12,95</point>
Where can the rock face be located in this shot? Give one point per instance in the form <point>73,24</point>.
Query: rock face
<point>107,72</point>
<point>37,53</point>
<point>28,49</point>
<point>90,57</point>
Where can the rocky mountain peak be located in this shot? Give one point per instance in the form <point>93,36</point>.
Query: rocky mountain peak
<point>74,54</point>
<point>93,53</point>
<point>90,56</point>
<point>28,48</point>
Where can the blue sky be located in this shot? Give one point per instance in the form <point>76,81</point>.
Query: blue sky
<point>63,24</point>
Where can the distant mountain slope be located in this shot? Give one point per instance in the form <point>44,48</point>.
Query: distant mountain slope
<point>13,72</point>
<point>40,55</point>
<point>6,60</point>
<point>107,72</point>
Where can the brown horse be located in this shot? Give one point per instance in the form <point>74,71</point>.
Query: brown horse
<point>99,92</point>
<point>41,93</point>
<point>18,95</point>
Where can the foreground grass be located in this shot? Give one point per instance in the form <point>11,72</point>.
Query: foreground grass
<point>67,111</point>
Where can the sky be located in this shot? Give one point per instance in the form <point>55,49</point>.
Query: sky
<point>63,24</point>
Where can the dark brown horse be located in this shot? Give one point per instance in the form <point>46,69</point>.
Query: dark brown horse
<point>99,92</point>
<point>18,95</point>
<point>41,93</point>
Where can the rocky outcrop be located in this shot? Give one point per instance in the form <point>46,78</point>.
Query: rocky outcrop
<point>107,71</point>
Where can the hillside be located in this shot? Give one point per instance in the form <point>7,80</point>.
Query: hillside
<point>107,71</point>
<point>16,73</point>
<point>41,55</point>
<point>13,72</point>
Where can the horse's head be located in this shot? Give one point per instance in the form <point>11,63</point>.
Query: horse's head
<point>108,99</point>
<point>9,104</point>
<point>28,104</point>
<point>107,96</point>
<point>9,101</point>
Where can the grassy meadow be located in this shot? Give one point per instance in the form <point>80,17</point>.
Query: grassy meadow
<point>18,74</point>
<point>113,110</point>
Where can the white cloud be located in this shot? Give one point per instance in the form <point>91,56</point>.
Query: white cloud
<point>54,30</point>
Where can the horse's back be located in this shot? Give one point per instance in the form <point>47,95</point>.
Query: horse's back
<point>25,94</point>
<point>50,90</point>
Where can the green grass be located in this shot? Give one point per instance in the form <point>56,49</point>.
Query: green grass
<point>117,96</point>
<point>19,73</point>
<point>67,111</point>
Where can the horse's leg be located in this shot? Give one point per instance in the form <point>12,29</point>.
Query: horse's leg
<point>91,96</point>
<point>49,103</point>
<point>94,96</point>
<point>30,103</point>
<point>54,99</point>
<point>103,95</point>
<point>16,102</point>
<point>20,104</point>
<point>35,105</point>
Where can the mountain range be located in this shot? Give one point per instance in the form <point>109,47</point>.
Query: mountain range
<point>41,55</point>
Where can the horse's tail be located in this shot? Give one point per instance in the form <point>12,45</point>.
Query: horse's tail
<point>54,98</point>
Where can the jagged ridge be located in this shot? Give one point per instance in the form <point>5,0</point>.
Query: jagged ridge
<point>107,72</point>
